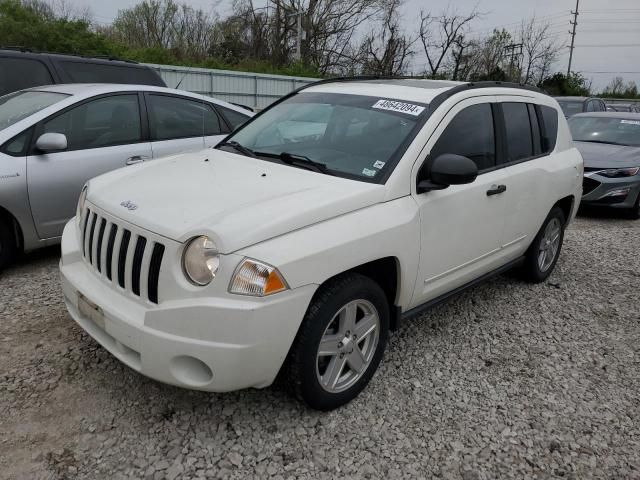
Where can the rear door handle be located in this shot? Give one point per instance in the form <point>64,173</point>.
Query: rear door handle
<point>136,159</point>
<point>496,190</point>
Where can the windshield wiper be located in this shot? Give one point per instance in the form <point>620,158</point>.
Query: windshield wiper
<point>304,162</point>
<point>239,148</point>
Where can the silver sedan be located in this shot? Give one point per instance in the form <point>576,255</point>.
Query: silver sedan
<point>55,138</point>
<point>610,146</point>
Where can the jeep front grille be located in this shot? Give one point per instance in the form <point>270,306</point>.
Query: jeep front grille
<point>118,255</point>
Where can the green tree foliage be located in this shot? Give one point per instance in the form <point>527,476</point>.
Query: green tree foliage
<point>32,28</point>
<point>560,84</point>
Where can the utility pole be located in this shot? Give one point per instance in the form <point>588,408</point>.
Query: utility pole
<point>573,36</point>
<point>513,49</point>
<point>298,16</point>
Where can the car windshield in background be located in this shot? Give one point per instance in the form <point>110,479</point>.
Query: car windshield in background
<point>570,108</point>
<point>346,135</point>
<point>614,130</point>
<point>19,105</point>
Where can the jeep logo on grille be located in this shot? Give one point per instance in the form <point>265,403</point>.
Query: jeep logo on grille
<point>129,205</point>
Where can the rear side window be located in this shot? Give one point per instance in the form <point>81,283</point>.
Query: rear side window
<point>233,118</point>
<point>20,73</point>
<point>103,122</point>
<point>549,127</point>
<point>177,117</point>
<point>518,131</point>
<point>87,72</point>
<point>470,134</point>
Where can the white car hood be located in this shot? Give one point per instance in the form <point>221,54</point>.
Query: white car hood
<point>236,200</point>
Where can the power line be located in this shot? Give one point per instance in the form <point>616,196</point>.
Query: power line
<point>617,45</point>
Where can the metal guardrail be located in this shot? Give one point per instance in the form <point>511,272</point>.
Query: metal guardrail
<point>256,90</point>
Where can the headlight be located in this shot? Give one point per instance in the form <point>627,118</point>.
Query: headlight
<point>620,172</point>
<point>200,260</point>
<point>256,279</point>
<point>81,200</point>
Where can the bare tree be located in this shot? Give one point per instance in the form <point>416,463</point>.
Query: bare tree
<point>386,51</point>
<point>59,9</point>
<point>539,50</point>
<point>165,24</point>
<point>439,35</point>
<point>329,27</point>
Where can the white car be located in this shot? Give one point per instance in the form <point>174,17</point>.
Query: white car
<point>274,254</point>
<point>55,138</point>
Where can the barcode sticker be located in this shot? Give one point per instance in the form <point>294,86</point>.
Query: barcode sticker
<point>400,107</point>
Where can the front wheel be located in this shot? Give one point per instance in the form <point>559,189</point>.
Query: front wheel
<point>634,212</point>
<point>8,247</point>
<point>543,253</point>
<point>340,342</point>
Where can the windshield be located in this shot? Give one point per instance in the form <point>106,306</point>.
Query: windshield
<point>618,131</point>
<point>353,136</point>
<point>571,108</point>
<point>19,105</point>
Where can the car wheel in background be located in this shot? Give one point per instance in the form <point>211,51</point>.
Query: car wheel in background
<point>8,247</point>
<point>634,212</point>
<point>543,253</point>
<point>340,342</point>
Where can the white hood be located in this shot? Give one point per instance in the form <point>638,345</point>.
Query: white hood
<point>236,200</point>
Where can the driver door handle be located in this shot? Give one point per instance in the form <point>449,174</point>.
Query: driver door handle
<point>136,159</point>
<point>496,190</point>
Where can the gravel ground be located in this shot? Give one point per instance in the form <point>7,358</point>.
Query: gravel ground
<point>509,380</point>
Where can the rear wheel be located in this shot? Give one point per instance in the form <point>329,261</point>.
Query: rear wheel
<point>8,247</point>
<point>543,253</point>
<point>340,343</point>
<point>634,212</point>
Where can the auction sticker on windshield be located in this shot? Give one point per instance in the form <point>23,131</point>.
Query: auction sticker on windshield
<point>630,122</point>
<point>400,107</point>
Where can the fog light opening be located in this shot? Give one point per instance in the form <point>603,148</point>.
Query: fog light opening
<point>191,371</point>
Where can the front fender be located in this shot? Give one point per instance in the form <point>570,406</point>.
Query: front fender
<point>318,252</point>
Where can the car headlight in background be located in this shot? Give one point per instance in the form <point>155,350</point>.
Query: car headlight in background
<point>256,279</point>
<point>81,200</point>
<point>200,260</point>
<point>620,172</point>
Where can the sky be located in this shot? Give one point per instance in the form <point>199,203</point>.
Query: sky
<point>607,39</point>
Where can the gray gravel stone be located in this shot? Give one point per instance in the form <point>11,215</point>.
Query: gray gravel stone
<point>509,380</point>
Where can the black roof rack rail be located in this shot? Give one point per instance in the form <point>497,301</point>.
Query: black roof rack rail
<point>16,48</point>
<point>79,55</point>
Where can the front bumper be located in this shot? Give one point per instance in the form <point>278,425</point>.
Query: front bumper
<point>598,191</point>
<point>212,344</point>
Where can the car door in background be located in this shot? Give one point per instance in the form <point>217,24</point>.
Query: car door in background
<point>103,134</point>
<point>449,256</point>
<point>180,124</point>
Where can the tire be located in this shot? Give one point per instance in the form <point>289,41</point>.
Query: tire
<point>634,212</point>
<point>308,374</point>
<point>535,268</point>
<point>8,247</point>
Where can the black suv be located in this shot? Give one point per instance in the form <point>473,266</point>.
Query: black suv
<point>21,68</point>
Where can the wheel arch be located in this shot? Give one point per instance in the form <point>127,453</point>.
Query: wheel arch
<point>566,205</point>
<point>386,273</point>
<point>7,217</point>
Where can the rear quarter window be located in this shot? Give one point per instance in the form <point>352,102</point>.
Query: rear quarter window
<point>233,118</point>
<point>549,124</point>
<point>87,72</point>
<point>20,73</point>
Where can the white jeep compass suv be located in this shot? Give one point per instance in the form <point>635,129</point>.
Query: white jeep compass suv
<point>300,241</point>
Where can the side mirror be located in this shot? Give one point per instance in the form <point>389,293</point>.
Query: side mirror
<point>51,142</point>
<point>449,169</point>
